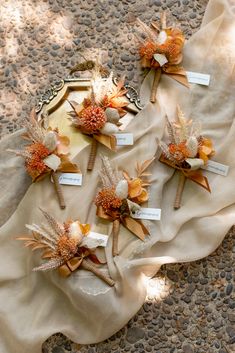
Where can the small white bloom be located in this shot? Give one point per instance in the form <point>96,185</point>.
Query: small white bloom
<point>112,115</point>
<point>50,141</point>
<point>75,231</point>
<point>192,146</point>
<point>122,189</point>
<point>162,37</point>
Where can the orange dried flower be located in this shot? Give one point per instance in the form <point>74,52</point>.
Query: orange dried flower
<point>92,119</point>
<point>171,48</point>
<point>136,191</point>
<point>107,199</point>
<point>148,50</point>
<point>34,163</point>
<point>66,247</point>
<point>179,151</point>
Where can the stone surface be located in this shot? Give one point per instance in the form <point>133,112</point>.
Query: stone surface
<point>189,307</point>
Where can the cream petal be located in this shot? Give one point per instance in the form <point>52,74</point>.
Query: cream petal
<point>122,189</point>
<point>50,141</point>
<point>161,59</point>
<point>52,161</point>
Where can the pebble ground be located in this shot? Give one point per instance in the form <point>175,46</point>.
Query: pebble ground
<point>189,307</point>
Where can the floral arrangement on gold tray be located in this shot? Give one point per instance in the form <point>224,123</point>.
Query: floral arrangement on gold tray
<point>161,50</point>
<point>120,197</point>
<point>188,151</point>
<point>99,114</point>
<point>65,246</point>
<point>45,154</point>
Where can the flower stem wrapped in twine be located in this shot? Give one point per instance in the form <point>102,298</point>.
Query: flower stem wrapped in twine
<point>58,190</point>
<point>92,156</point>
<point>86,265</point>
<point>115,231</point>
<point>179,191</point>
<point>157,75</point>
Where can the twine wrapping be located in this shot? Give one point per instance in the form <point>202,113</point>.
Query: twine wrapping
<point>58,190</point>
<point>179,191</point>
<point>86,265</point>
<point>115,231</point>
<point>92,156</point>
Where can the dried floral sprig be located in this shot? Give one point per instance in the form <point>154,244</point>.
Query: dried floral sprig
<point>45,154</point>
<point>89,65</point>
<point>161,50</point>
<point>121,196</point>
<point>65,246</point>
<point>187,151</point>
<point>99,114</point>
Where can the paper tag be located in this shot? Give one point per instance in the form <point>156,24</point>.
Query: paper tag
<point>153,214</point>
<point>196,77</point>
<point>103,239</point>
<point>124,139</point>
<point>70,179</point>
<point>216,168</point>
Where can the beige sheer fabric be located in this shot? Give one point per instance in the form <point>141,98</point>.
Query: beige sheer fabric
<point>36,305</point>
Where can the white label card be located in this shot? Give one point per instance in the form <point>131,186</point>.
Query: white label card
<point>216,168</point>
<point>196,77</point>
<point>70,179</point>
<point>124,139</point>
<point>153,214</point>
<point>103,239</point>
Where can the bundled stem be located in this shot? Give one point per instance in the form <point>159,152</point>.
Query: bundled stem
<point>86,265</point>
<point>179,191</point>
<point>92,156</point>
<point>115,231</point>
<point>58,190</point>
<point>157,75</point>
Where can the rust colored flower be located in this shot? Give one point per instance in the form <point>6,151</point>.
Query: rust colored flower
<point>136,192</point>
<point>172,48</point>
<point>107,199</point>
<point>66,247</point>
<point>34,162</point>
<point>92,119</point>
<point>179,151</point>
<point>147,50</point>
<point>205,149</point>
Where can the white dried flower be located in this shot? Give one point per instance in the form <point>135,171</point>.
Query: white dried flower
<point>121,190</point>
<point>112,115</point>
<point>192,146</point>
<point>75,231</point>
<point>50,141</point>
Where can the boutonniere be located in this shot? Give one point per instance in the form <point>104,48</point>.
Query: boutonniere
<point>65,246</point>
<point>161,50</point>
<point>46,154</point>
<point>99,114</point>
<point>120,197</point>
<point>187,151</point>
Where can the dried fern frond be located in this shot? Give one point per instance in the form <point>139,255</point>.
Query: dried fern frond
<point>108,175</point>
<point>55,226</point>
<point>141,168</point>
<point>22,153</point>
<point>165,151</point>
<point>34,128</point>
<point>45,237</point>
<point>151,34</point>
<point>49,265</point>
<point>171,130</point>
